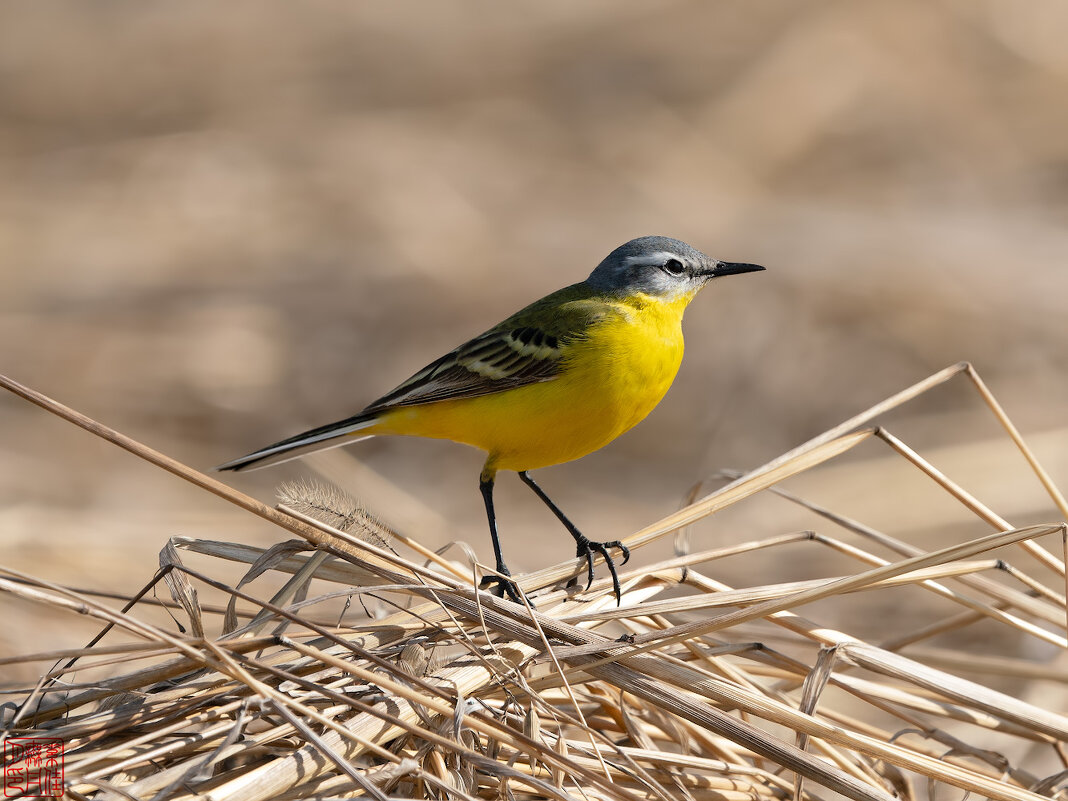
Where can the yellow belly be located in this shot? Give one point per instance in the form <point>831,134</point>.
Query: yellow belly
<point>610,381</point>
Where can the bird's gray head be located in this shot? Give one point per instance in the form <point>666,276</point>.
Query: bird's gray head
<point>660,266</point>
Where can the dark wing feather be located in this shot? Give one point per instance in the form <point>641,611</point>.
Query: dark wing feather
<point>489,363</point>
<point>528,347</point>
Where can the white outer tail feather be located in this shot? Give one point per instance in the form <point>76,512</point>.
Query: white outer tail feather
<point>287,451</point>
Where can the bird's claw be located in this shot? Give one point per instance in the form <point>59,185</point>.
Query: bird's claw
<point>587,548</point>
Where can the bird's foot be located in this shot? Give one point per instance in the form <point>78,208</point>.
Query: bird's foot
<point>587,548</point>
<point>503,585</point>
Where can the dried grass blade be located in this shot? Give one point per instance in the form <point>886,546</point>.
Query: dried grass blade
<point>895,400</point>
<point>970,501</point>
<point>991,665</point>
<point>848,584</point>
<point>1051,488</point>
<point>337,572</point>
<point>325,749</point>
<point>961,691</point>
<point>56,595</point>
<point>766,592</point>
<point>670,699</point>
<point>182,590</point>
<point>750,484</point>
<point>898,698</point>
<point>269,560</point>
<point>1005,596</point>
<point>147,648</point>
<point>676,675</point>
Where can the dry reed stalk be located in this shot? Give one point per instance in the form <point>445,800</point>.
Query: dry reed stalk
<point>455,694</point>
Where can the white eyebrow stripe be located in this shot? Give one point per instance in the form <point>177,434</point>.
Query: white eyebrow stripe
<point>657,258</point>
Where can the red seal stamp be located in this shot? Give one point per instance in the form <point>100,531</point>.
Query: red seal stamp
<point>33,767</point>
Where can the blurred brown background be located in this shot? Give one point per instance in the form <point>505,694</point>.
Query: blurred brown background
<point>223,222</point>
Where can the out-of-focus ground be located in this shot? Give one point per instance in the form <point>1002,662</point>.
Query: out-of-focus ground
<point>221,223</point>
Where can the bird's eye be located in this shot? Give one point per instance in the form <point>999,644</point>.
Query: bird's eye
<point>674,267</point>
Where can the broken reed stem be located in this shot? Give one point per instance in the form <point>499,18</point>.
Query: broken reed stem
<point>970,501</point>
<point>1051,488</point>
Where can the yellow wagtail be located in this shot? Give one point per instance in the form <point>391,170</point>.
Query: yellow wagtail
<point>555,381</point>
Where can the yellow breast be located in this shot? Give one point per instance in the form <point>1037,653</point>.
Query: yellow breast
<point>611,379</point>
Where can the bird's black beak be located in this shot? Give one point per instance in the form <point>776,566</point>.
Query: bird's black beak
<point>732,268</point>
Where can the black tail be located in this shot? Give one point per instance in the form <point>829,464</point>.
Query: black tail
<point>315,439</point>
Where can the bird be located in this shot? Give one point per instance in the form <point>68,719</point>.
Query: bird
<point>555,381</point>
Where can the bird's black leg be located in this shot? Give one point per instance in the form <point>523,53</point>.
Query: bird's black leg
<point>585,546</point>
<point>501,586</point>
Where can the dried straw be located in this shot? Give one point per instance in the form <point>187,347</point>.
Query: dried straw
<point>691,689</point>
